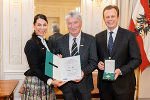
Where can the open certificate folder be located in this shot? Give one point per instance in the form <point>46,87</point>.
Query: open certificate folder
<point>64,69</point>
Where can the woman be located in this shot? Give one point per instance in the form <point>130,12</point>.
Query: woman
<point>38,86</point>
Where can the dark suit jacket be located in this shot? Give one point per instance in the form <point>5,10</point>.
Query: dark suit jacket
<point>35,52</point>
<point>127,57</point>
<point>52,41</point>
<point>88,56</point>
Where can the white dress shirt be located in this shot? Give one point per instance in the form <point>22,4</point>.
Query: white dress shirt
<point>113,34</point>
<point>78,38</point>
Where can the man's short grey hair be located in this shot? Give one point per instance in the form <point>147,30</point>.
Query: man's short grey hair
<point>73,14</point>
<point>55,28</point>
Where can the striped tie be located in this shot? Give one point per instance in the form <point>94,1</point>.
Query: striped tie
<point>110,42</point>
<point>74,49</point>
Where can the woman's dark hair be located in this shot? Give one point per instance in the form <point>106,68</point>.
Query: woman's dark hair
<point>41,16</point>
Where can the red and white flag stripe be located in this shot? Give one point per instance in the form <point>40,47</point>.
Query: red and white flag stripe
<point>142,7</point>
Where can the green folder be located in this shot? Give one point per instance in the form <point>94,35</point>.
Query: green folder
<point>49,64</point>
<point>55,67</point>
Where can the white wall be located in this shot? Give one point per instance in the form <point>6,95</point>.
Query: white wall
<point>17,29</point>
<point>144,86</point>
<point>1,19</point>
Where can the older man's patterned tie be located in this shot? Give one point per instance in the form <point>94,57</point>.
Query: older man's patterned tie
<point>110,42</point>
<point>74,49</point>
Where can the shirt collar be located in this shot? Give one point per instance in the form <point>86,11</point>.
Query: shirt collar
<point>41,38</point>
<point>114,31</point>
<point>78,37</point>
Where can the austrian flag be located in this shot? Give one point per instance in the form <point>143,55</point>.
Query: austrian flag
<point>140,23</point>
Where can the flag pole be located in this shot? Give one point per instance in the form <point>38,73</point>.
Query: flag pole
<point>138,80</point>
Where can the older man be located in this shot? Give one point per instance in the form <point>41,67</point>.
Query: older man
<point>78,43</point>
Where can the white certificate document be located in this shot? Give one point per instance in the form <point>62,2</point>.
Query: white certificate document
<point>109,66</point>
<point>68,69</point>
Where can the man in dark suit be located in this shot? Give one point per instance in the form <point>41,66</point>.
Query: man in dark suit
<point>52,39</point>
<point>120,45</point>
<point>74,43</point>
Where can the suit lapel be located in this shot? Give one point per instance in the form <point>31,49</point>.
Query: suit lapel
<point>66,45</point>
<point>41,46</point>
<point>105,43</point>
<point>117,41</point>
<point>82,43</point>
<point>40,43</point>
